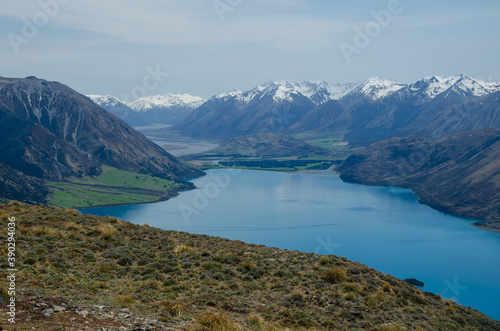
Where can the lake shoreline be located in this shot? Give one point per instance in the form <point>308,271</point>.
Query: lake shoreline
<point>486,228</point>
<point>171,194</point>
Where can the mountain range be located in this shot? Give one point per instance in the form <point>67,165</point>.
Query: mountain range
<point>362,112</point>
<point>156,109</point>
<point>51,132</point>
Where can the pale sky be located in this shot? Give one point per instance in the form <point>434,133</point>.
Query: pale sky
<point>203,47</point>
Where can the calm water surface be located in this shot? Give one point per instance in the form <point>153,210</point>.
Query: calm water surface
<point>384,228</point>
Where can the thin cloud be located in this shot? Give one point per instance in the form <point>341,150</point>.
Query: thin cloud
<point>195,23</point>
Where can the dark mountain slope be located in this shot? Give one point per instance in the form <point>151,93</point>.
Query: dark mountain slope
<point>458,174</point>
<point>14,185</point>
<point>477,113</point>
<point>51,132</point>
<point>359,120</point>
<point>59,132</point>
<point>35,151</point>
<point>237,113</point>
<point>269,144</point>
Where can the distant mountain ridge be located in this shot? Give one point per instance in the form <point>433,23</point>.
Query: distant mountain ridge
<point>458,174</point>
<point>362,112</point>
<point>167,101</point>
<point>267,144</point>
<point>155,109</point>
<point>51,132</point>
<point>318,92</point>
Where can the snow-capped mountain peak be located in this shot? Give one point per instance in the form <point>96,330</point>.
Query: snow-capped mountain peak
<point>378,88</point>
<point>167,101</point>
<point>229,94</point>
<point>435,85</point>
<point>154,101</point>
<point>283,90</point>
<point>105,99</point>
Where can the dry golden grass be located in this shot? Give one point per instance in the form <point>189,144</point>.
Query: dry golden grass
<point>215,321</point>
<point>390,328</point>
<point>450,310</point>
<point>46,231</point>
<point>107,231</point>
<point>183,249</point>
<point>125,301</point>
<point>73,212</point>
<point>70,225</point>
<point>334,275</point>
<point>387,287</point>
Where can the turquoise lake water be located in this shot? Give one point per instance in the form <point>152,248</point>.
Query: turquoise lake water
<point>383,228</point>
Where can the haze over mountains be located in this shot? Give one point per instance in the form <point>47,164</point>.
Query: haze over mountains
<point>362,112</point>
<point>156,109</point>
<point>51,132</point>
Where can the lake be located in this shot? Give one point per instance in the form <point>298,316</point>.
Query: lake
<point>383,228</point>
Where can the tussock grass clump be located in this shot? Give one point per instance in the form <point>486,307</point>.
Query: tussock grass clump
<point>183,249</point>
<point>171,308</point>
<point>353,287</point>
<point>46,231</point>
<point>70,225</point>
<point>387,287</point>
<point>390,327</point>
<point>125,301</point>
<point>257,322</point>
<point>327,260</point>
<point>107,231</point>
<point>73,211</point>
<point>215,321</point>
<point>334,275</point>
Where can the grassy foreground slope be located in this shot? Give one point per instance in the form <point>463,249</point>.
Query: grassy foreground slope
<point>77,271</point>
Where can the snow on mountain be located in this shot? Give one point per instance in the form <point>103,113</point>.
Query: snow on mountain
<point>112,104</point>
<point>282,90</point>
<point>167,101</point>
<point>363,112</point>
<point>376,88</point>
<point>105,100</point>
<point>147,103</point>
<point>229,94</point>
<point>319,92</point>
<point>435,85</point>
